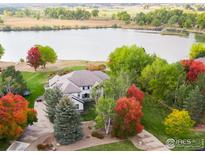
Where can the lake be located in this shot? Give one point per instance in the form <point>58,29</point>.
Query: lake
<point>94,44</point>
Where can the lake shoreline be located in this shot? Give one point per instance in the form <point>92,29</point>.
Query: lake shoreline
<point>161,30</point>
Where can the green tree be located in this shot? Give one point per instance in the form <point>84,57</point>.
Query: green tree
<point>173,20</point>
<point>67,126</point>
<point>1,51</point>
<point>52,98</point>
<point>12,81</point>
<point>201,20</point>
<point>124,16</point>
<point>161,78</point>
<point>105,113</point>
<point>116,86</point>
<point>48,54</point>
<point>131,60</point>
<point>95,12</point>
<point>197,50</point>
<point>195,104</point>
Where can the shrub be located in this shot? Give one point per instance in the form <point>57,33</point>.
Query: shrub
<point>92,67</point>
<point>97,134</point>
<point>67,126</point>
<point>127,119</point>
<point>43,147</point>
<point>178,123</point>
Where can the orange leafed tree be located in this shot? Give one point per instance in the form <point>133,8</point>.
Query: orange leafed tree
<point>135,92</point>
<point>128,111</point>
<point>15,116</point>
<point>193,69</point>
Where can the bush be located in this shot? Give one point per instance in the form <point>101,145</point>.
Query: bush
<point>92,67</point>
<point>178,123</point>
<point>97,135</point>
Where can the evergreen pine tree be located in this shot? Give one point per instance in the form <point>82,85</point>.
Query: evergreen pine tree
<point>52,98</point>
<point>195,104</point>
<point>67,126</point>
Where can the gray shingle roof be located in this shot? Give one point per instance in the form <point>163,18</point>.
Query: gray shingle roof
<point>71,82</point>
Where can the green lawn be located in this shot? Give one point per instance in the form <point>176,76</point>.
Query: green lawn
<point>154,114</point>
<point>35,82</point>
<point>118,146</point>
<point>4,145</point>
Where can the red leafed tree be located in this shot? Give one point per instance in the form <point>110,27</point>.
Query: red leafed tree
<point>128,116</point>
<point>193,69</point>
<point>135,92</point>
<point>33,57</point>
<point>15,116</point>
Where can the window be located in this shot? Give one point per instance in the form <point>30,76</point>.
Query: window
<point>77,106</point>
<point>86,95</point>
<point>88,87</point>
<point>83,88</point>
<point>78,94</point>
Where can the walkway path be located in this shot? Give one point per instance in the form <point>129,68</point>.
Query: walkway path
<point>43,130</point>
<point>147,142</point>
<point>40,128</point>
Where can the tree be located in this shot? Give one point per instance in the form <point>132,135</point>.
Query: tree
<point>127,119</point>
<point>47,54</point>
<point>161,78</point>
<point>130,60</point>
<point>135,92</point>
<point>195,104</point>
<point>201,20</point>
<point>193,69</point>
<point>12,81</point>
<point>178,123</point>
<point>67,126</point>
<point>197,50</point>
<point>124,16</point>
<point>116,86</point>
<point>1,51</point>
<point>52,98</point>
<point>15,116</point>
<point>95,12</point>
<point>34,57</point>
<point>105,112</point>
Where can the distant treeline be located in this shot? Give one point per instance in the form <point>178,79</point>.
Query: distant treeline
<point>175,17</point>
<point>159,17</point>
<point>57,13</point>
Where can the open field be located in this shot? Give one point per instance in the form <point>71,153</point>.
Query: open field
<point>60,64</point>
<point>30,22</point>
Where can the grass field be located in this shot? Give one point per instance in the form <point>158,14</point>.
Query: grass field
<point>154,115</point>
<point>119,146</point>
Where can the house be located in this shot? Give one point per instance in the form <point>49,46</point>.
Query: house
<point>201,59</point>
<point>77,85</point>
